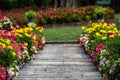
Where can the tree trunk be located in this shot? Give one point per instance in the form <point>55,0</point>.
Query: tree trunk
<point>74,3</point>
<point>62,4</point>
<point>55,3</point>
<point>69,3</point>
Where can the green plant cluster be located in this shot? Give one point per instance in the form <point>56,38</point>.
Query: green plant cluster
<point>31,14</point>
<point>100,10</point>
<point>52,16</point>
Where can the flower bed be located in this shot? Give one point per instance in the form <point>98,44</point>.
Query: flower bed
<point>17,46</point>
<point>59,15</point>
<point>102,42</point>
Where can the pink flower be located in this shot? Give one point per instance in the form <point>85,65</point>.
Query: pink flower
<point>25,26</point>
<point>34,34</point>
<point>2,69</point>
<point>11,72</point>
<point>13,37</point>
<point>33,48</point>
<point>21,46</point>
<point>0,25</point>
<point>40,47</point>
<point>13,46</point>
<point>18,55</point>
<point>43,40</point>
<point>35,42</point>
<point>99,48</point>
<point>2,76</point>
<point>118,75</point>
<point>112,69</point>
<point>4,32</point>
<point>92,53</point>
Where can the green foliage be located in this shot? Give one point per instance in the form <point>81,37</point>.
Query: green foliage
<point>117,17</point>
<point>115,42</point>
<point>7,59</point>
<point>100,10</point>
<point>30,14</point>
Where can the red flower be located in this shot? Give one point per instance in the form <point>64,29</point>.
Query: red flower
<point>1,16</point>
<point>93,59</point>
<point>78,41</point>
<point>110,33</point>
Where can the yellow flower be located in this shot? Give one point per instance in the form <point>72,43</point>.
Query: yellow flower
<point>7,41</point>
<point>26,44</point>
<point>118,34</point>
<point>113,24</point>
<point>34,25</point>
<point>13,53</point>
<point>104,38</point>
<point>10,47</point>
<point>92,41</point>
<point>105,76</point>
<point>3,45</point>
<point>19,35</point>
<point>21,30</point>
<point>102,31</point>
<point>28,35</point>
<point>41,29</point>
<point>34,37</point>
<point>29,25</point>
<point>97,34</point>
<point>83,27</point>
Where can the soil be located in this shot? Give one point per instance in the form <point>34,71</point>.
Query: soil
<point>78,23</point>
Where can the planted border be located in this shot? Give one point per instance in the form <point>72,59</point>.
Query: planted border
<point>17,46</point>
<point>102,42</point>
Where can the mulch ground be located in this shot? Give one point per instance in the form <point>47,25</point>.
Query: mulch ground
<point>78,23</point>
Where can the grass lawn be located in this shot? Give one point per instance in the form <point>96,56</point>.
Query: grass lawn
<point>62,33</point>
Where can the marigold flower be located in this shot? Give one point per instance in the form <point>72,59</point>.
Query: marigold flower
<point>92,41</point>
<point>97,34</point>
<point>34,38</point>
<point>104,38</point>
<point>105,76</point>
<point>41,29</point>
<point>102,31</point>
<point>3,45</point>
<point>10,47</point>
<point>26,44</point>
<point>13,53</point>
<point>118,34</point>
<point>83,27</point>
<point>7,41</point>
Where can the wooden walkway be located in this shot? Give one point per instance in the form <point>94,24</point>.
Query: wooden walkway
<point>60,62</point>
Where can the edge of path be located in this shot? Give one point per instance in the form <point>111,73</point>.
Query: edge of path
<point>62,42</point>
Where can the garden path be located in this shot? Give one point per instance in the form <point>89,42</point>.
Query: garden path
<point>60,62</point>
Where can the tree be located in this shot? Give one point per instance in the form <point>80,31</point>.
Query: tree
<point>62,4</point>
<point>115,4</point>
